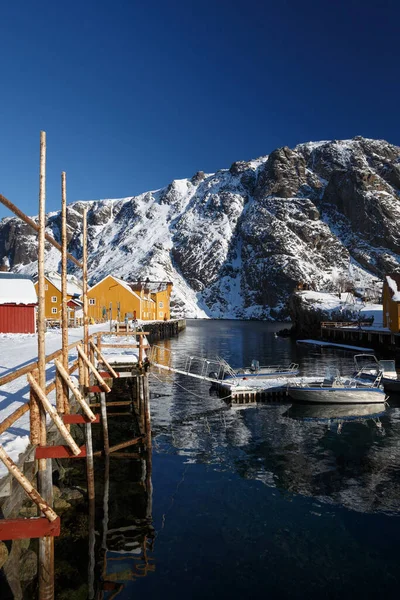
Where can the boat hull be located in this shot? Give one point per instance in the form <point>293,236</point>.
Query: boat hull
<point>319,395</point>
<point>335,412</point>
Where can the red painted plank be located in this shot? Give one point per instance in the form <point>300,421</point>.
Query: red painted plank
<point>58,452</point>
<point>20,529</point>
<point>95,389</point>
<point>74,419</point>
<point>105,375</point>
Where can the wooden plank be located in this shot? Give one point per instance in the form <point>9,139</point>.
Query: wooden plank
<point>54,415</point>
<point>26,484</point>
<point>103,359</point>
<point>80,399</point>
<point>77,419</point>
<point>58,452</point>
<point>82,354</point>
<point>20,529</point>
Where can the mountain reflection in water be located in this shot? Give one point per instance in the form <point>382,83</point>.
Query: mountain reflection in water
<point>285,501</point>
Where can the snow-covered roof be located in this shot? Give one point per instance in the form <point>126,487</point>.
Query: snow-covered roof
<point>17,289</point>
<point>73,286</point>
<point>120,281</point>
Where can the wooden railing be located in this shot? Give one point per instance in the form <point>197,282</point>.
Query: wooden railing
<point>38,399</point>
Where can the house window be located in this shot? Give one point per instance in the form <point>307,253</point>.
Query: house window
<point>92,301</point>
<point>54,310</point>
<point>46,287</point>
<point>161,305</point>
<point>161,313</point>
<point>54,298</point>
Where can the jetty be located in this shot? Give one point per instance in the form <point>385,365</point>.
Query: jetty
<point>69,391</point>
<point>350,333</point>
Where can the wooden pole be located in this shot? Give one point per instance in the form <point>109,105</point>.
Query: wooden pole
<point>93,369</point>
<point>35,226</point>
<point>34,414</point>
<point>140,351</point>
<point>104,420</point>
<point>77,393</point>
<point>45,480</point>
<point>64,286</point>
<point>92,508</point>
<point>104,360</point>
<point>28,487</point>
<point>54,415</point>
<point>85,298</point>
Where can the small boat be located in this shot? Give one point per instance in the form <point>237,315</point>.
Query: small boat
<point>266,372</point>
<point>335,389</point>
<point>367,367</point>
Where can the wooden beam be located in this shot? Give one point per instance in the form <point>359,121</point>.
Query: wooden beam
<point>26,484</point>
<point>80,399</point>
<point>58,422</point>
<point>103,359</point>
<point>20,529</point>
<point>58,452</point>
<point>103,384</point>
<point>78,419</point>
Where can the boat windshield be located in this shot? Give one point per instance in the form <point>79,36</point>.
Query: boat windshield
<point>387,366</point>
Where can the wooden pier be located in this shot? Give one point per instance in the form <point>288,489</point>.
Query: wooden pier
<point>76,404</point>
<point>362,334</point>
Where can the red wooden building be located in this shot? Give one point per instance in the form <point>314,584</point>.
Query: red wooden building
<point>18,302</point>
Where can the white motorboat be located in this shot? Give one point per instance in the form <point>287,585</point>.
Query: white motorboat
<point>367,367</point>
<point>264,372</point>
<point>335,389</point>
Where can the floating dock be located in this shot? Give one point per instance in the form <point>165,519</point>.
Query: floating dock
<point>238,392</point>
<point>322,344</point>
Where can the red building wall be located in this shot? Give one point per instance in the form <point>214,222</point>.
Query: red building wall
<point>17,318</point>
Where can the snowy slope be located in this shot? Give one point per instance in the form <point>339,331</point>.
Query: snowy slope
<point>235,243</point>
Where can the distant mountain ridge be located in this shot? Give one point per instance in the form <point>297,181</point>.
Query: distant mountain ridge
<point>235,243</point>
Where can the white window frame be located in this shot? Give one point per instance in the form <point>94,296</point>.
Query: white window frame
<point>54,310</point>
<point>92,301</point>
<point>161,304</point>
<point>54,298</point>
<point>46,286</point>
<point>161,313</point>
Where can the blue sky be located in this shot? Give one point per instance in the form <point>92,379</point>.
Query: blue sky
<point>134,94</point>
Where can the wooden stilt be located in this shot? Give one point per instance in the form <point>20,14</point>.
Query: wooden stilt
<point>45,487</point>
<point>85,298</point>
<point>104,421</point>
<point>64,292</point>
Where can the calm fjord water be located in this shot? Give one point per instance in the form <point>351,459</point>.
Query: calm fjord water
<point>258,502</point>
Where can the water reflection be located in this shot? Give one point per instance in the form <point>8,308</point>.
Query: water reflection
<point>295,448</point>
<point>252,501</point>
<point>127,543</point>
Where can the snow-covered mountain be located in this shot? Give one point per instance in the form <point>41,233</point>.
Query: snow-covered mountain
<point>235,243</point>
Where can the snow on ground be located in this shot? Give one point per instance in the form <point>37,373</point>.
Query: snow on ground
<point>17,351</point>
<point>332,303</point>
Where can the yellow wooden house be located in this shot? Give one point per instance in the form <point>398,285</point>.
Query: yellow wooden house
<point>53,297</point>
<point>113,298</point>
<point>391,302</point>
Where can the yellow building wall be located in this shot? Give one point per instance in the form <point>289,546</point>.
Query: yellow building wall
<point>163,298</point>
<point>110,291</point>
<point>391,310</point>
<point>50,291</point>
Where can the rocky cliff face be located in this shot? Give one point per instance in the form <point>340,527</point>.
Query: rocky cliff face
<point>235,243</point>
